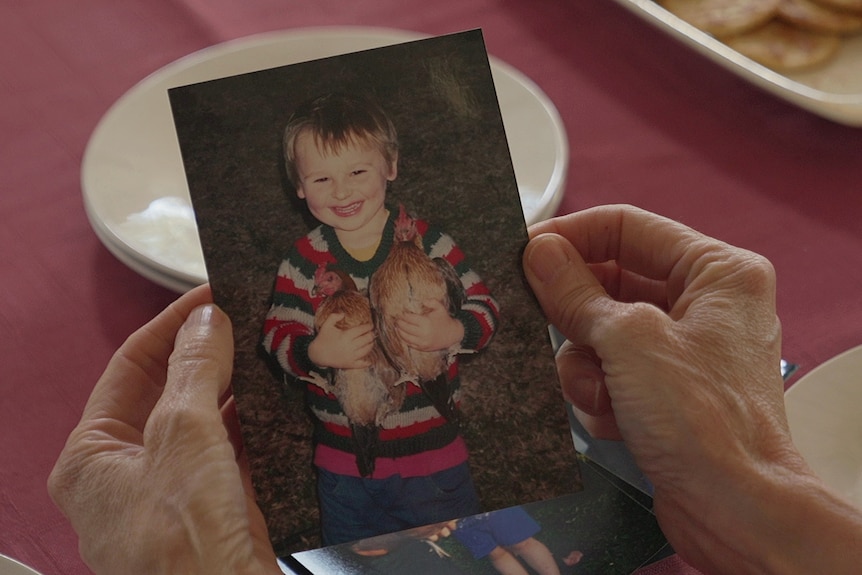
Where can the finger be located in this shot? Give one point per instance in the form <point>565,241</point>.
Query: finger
<point>199,370</point>
<point>599,426</point>
<point>331,320</point>
<point>573,299</point>
<point>134,378</point>
<point>361,330</point>
<point>582,379</point>
<point>361,337</point>
<point>231,423</point>
<point>413,341</point>
<point>409,325</point>
<point>626,286</point>
<point>432,305</point>
<point>361,356</point>
<point>639,241</point>
<point>414,333</point>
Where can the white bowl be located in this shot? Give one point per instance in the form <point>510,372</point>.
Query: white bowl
<point>823,411</point>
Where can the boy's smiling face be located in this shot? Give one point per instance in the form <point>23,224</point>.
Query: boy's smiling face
<point>344,188</point>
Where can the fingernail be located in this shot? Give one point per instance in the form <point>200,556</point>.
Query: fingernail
<point>597,393</point>
<point>547,258</point>
<point>585,393</point>
<point>203,316</point>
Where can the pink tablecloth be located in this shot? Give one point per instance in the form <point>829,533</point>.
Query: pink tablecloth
<point>649,122</point>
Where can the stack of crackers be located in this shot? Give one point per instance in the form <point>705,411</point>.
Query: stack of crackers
<point>786,35</point>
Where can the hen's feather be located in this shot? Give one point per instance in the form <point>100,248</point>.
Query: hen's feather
<point>367,395</point>
<point>404,281</point>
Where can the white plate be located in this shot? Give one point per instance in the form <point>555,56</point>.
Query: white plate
<point>823,408</point>
<point>833,91</point>
<point>134,187</point>
<point>9,566</point>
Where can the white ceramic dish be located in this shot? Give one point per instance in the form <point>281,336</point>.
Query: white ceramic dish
<point>9,566</point>
<point>823,411</point>
<point>134,187</point>
<point>833,91</point>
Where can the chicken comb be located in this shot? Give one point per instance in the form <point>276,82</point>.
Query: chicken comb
<point>404,218</point>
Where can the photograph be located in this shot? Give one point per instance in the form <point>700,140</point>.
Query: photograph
<point>362,227</point>
<point>600,529</point>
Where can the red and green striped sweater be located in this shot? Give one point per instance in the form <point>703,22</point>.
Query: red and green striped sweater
<point>416,440</point>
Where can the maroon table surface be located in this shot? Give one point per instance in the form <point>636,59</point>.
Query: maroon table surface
<point>649,122</point>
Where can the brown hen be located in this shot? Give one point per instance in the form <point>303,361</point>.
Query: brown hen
<point>406,279</point>
<point>367,395</point>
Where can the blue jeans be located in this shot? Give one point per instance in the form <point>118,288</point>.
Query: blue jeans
<point>354,508</point>
<point>482,533</point>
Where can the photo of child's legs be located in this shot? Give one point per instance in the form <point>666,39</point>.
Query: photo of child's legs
<point>505,563</point>
<point>507,538</point>
<point>535,554</point>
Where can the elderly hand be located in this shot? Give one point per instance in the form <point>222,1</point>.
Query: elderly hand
<point>674,346</point>
<point>149,478</point>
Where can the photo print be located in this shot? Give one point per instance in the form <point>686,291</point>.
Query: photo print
<point>361,225</point>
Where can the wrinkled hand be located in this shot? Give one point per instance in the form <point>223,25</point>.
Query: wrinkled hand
<point>674,345</point>
<point>341,348</point>
<point>149,478</point>
<point>433,330</point>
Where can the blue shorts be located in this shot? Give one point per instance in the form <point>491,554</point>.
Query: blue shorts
<point>481,534</point>
<point>354,508</point>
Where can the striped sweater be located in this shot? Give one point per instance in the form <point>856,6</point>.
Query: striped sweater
<point>416,440</point>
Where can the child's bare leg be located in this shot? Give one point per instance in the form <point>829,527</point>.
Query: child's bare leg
<point>505,563</point>
<point>537,556</point>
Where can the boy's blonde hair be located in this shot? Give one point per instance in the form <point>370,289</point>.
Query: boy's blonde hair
<point>336,120</point>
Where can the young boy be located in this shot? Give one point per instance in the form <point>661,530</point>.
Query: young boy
<point>341,152</point>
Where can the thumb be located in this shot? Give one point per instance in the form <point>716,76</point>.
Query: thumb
<point>332,319</point>
<point>199,368</point>
<point>572,298</point>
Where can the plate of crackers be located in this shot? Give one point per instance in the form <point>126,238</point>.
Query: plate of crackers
<point>808,52</point>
